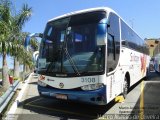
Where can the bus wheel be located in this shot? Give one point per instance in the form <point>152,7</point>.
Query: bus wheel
<point>125,87</point>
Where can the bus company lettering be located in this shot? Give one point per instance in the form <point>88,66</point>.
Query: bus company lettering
<point>88,79</point>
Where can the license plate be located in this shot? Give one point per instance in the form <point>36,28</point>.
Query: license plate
<point>61,96</point>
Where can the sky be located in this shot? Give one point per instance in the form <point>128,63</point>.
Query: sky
<point>142,15</point>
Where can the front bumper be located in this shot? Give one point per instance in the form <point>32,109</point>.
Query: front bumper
<point>97,97</point>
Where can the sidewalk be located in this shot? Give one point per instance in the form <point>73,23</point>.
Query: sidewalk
<point>27,91</point>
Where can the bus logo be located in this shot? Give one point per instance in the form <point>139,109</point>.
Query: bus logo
<point>61,85</point>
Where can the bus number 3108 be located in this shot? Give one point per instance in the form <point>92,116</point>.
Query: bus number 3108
<point>88,80</point>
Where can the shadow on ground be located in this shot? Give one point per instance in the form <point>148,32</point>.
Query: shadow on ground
<point>63,109</point>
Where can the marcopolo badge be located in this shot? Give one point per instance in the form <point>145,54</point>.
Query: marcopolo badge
<point>61,85</point>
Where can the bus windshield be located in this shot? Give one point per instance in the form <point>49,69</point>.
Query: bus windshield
<point>69,46</point>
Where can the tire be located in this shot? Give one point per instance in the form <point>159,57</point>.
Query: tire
<point>125,87</point>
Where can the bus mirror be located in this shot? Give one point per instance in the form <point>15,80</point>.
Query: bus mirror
<point>37,35</point>
<point>101,34</point>
<point>40,35</point>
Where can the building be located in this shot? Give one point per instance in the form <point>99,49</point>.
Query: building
<point>154,46</point>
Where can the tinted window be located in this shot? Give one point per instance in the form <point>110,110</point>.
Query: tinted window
<point>131,40</point>
<point>70,47</point>
<point>113,42</point>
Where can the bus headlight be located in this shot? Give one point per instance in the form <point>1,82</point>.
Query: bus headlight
<point>40,83</point>
<point>92,86</point>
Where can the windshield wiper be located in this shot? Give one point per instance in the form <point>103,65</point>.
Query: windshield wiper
<point>64,47</point>
<point>71,61</point>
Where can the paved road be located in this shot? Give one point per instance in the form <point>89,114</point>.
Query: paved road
<point>142,101</point>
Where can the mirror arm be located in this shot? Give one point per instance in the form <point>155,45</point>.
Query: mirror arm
<point>40,35</point>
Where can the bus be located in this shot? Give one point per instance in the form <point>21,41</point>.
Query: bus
<point>90,56</point>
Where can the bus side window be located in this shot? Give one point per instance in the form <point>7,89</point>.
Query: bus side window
<point>111,47</point>
<point>111,53</point>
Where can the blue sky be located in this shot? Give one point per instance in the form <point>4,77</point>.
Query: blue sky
<point>143,15</point>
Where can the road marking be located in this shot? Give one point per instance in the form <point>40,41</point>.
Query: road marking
<point>57,110</point>
<point>141,113</point>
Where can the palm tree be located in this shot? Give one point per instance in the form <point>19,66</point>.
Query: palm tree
<point>27,61</point>
<point>10,29</point>
<point>5,29</point>
<point>25,57</point>
<point>34,45</point>
<point>18,22</point>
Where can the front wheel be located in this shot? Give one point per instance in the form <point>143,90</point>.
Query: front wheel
<point>125,87</point>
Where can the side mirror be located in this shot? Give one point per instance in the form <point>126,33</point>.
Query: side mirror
<point>101,34</point>
<point>38,35</point>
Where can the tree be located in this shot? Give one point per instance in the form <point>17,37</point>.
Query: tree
<point>18,22</point>
<point>25,57</point>
<point>10,30</point>
<point>5,29</point>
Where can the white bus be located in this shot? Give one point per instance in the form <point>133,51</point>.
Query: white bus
<point>90,56</point>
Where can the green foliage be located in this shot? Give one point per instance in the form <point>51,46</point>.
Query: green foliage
<point>16,78</point>
<point>11,36</point>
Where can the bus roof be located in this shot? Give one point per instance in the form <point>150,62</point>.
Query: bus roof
<point>107,9</point>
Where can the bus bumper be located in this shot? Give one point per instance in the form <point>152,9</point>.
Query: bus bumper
<point>97,97</point>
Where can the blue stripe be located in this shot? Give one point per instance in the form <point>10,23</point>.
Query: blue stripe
<point>94,97</point>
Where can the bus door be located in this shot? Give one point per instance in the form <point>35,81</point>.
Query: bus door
<point>113,53</point>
